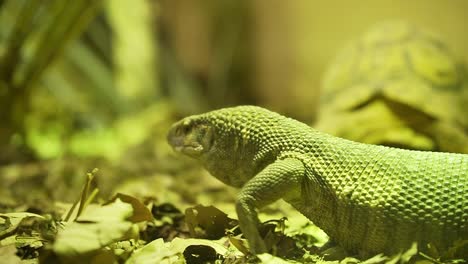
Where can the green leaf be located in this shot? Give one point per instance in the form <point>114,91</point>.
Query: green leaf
<point>155,252</point>
<point>97,227</point>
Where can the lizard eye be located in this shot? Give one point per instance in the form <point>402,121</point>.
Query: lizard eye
<point>184,128</point>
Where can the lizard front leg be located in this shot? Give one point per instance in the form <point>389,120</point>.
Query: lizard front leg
<point>272,183</point>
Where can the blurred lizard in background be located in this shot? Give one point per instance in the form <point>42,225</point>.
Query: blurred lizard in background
<point>397,86</point>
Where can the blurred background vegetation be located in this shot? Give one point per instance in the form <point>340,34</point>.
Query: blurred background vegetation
<point>87,84</point>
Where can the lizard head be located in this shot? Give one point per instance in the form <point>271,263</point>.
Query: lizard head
<point>191,136</point>
<point>220,141</point>
<point>197,138</point>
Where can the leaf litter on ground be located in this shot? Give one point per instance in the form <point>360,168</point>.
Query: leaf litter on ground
<point>127,229</point>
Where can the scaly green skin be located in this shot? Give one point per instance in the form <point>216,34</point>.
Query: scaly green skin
<point>370,199</point>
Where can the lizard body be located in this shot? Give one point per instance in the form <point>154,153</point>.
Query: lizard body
<point>369,199</point>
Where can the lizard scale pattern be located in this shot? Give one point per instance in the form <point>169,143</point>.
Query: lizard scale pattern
<point>369,199</point>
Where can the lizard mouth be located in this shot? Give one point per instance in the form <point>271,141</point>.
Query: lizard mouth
<point>188,148</point>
